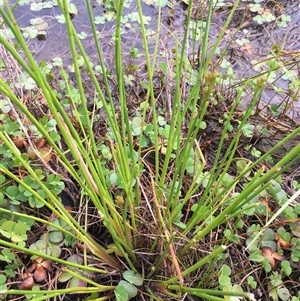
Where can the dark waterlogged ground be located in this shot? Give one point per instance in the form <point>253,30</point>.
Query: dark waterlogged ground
<point>248,43</point>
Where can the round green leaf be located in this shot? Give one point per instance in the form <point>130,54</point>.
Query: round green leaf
<point>270,244</point>
<point>133,278</point>
<point>2,179</point>
<point>286,267</point>
<point>203,125</point>
<point>12,191</point>
<point>225,270</point>
<point>224,280</point>
<point>76,282</point>
<point>64,277</point>
<point>120,293</point>
<point>75,259</point>
<point>2,279</point>
<point>39,245</point>
<point>256,256</point>
<point>56,222</point>
<point>42,246</point>
<point>113,178</point>
<point>55,251</point>
<point>3,289</point>
<point>274,187</point>
<point>130,289</point>
<point>56,237</point>
<point>283,294</point>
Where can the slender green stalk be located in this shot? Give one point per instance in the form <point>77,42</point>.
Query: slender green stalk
<point>162,256</point>
<point>150,91</point>
<point>100,58</point>
<point>80,290</point>
<point>199,264</point>
<point>209,293</point>
<point>75,290</point>
<point>128,176</point>
<point>176,119</point>
<point>221,34</point>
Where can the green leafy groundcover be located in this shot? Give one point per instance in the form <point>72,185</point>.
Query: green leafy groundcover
<point>150,215</point>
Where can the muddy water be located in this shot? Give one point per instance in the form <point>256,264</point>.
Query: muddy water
<point>261,38</point>
<point>56,43</point>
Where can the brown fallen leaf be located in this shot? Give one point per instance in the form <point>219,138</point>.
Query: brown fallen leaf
<point>271,256</point>
<point>247,48</point>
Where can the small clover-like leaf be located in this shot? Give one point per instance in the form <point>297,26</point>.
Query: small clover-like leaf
<point>2,279</point>
<point>137,126</point>
<point>7,255</point>
<point>286,267</point>
<point>56,237</point>
<point>256,256</point>
<point>60,19</point>
<point>225,270</point>
<point>255,7</point>
<point>235,289</point>
<point>76,259</point>
<point>133,277</point>
<point>73,9</point>
<point>44,246</point>
<point>120,293</point>
<point>64,277</point>
<point>202,125</point>
<point>252,282</point>
<point>130,289</point>
<point>15,231</point>
<point>283,294</point>
<point>271,256</point>
<point>82,35</point>
<point>99,20</point>
<point>112,248</point>
<point>224,279</point>
<point>39,23</point>
<point>5,106</point>
<point>3,287</point>
<point>76,282</point>
<point>242,165</point>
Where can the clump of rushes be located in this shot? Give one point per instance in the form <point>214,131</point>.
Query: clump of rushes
<point>153,211</point>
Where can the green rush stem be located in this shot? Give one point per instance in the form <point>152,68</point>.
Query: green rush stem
<point>150,89</point>
<point>162,256</point>
<point>198,265</point>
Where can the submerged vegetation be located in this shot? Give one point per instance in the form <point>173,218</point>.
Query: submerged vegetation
<point>171,181</point>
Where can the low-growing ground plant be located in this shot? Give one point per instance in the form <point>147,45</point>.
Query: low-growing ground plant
<point>168,200</point>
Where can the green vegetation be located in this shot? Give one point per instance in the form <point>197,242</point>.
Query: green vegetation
<point>107,194</point>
